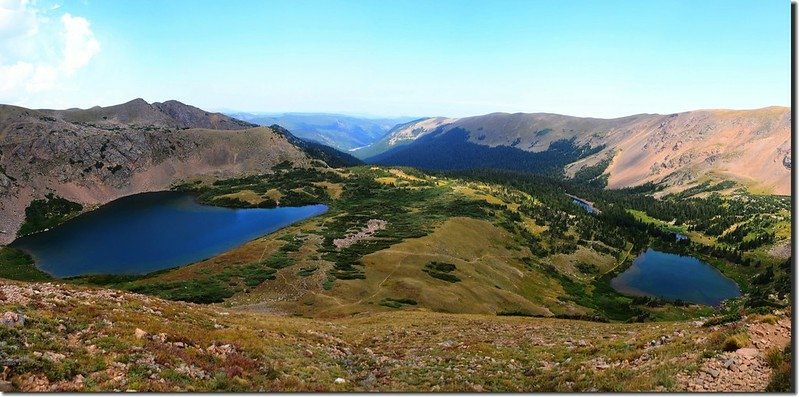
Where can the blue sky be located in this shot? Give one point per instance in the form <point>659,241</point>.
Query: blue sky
<point>389,58</point>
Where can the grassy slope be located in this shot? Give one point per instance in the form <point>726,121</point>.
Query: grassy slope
<point>493,278</point>
<point>17,265</point>
<point>472,225</point>
<point>493,264</point>
<point>498,280</point>
<point>644,217</point>
<point>85,339</point>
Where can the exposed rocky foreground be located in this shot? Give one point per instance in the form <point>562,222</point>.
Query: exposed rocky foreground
<point>67,338</point>
<point>745,369</point>
<point>96,155</point>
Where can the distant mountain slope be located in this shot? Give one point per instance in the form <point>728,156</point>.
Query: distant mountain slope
<point>335,130</point>
<point>96,155</point>
<point>402,134</point>
<point>678,150</point>
<point>749,146</point>
<point>331,156</point>
<point>451,150</point>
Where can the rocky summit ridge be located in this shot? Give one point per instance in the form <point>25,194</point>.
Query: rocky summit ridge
<point>93,156</point>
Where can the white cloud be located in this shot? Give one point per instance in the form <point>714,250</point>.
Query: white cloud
<point>38,53</point>
<point>17,19</point>
<point>80,45</point>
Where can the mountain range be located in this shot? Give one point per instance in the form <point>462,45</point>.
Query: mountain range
<point>752,147</point>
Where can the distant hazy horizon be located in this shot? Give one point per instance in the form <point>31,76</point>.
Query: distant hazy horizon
<point>233,112</point>
<point>378,116</point>
<point>399,58</point>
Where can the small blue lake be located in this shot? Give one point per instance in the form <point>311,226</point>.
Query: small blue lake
<point>587,207</point>
<point>672,276</point>
<point>152,231</point>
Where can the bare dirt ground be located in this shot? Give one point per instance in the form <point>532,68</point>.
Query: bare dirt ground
<point>372,227</point>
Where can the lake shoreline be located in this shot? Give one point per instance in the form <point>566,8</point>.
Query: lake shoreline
<point>147,232</point>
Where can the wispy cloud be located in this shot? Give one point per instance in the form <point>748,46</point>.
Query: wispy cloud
<point>37,52</point>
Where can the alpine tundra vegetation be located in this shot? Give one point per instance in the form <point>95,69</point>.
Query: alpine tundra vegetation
<point>395,196</point>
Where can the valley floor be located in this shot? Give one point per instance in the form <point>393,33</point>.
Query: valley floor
<point>59,337</point>
<point>365,296</point>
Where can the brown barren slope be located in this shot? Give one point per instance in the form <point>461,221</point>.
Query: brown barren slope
<point>749,146</point>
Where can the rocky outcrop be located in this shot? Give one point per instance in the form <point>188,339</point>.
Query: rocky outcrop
<point>372,227</point>
<point>96,155</point>
<point>744,370</point>
<point>12,319</point>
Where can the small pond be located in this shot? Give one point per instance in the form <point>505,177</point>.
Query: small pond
<point>587,206</point>
<point>672,277</point>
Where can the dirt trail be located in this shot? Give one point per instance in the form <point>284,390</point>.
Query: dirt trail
<point>623,259</point>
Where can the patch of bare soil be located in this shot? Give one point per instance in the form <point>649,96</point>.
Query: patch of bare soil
<point>372,227</point>
<point>781,250</point>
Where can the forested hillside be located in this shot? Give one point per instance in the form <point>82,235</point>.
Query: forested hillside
<point>677,151</point>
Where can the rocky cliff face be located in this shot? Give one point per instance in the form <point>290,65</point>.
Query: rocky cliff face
<point>97,155</point>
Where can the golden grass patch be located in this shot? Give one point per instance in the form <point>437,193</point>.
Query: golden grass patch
<point>492,278</point>
<point>333,189</point>
<point>274,194</point>
<point>248,196</point>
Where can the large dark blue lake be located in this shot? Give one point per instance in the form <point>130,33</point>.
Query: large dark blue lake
<point>151,231</point>
<point>671,276</point>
